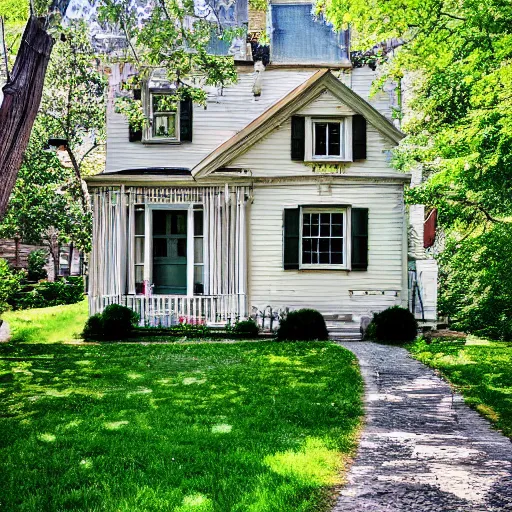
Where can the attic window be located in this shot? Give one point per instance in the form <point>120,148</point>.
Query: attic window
<point>328,139</point>
<point>164,118</point>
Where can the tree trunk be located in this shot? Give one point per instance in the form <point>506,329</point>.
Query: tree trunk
<point>22,96</point>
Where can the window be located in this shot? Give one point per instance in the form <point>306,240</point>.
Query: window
<point>198,253</point>
<point>329,139</point>
<point>323,238</point>
<point>163,117</point>
<point>139,248</point>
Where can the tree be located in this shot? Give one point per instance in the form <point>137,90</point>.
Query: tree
<point>457,60</point>
<point>174,38</point>
<point>73,107</point>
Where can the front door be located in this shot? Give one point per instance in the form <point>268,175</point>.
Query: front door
<point>170,252</point>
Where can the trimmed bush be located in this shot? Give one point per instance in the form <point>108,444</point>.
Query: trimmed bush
<point>303,325</point>
<point>115,323</point>
<point>36,265</point>
<point>395,324</point>
<point>118,322</point>
<point>93,329</point>
<point>246,329</point>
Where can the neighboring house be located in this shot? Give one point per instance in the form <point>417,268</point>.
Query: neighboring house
<point>278,193</point>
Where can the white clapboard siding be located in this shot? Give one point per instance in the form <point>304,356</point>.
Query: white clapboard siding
<point>326,104</point>
<point>328,291</point>
<point>222,118</point>
<point>361,83</point>
<point>271,156</point>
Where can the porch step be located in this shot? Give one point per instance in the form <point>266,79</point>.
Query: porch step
<point>342,328</point>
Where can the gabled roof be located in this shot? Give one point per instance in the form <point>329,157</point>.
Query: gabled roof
<point>276,114</point>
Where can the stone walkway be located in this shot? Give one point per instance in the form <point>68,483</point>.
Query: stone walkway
<point>422,448</point>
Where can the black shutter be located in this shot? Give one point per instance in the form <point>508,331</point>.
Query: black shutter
<point>358,137</point>
<point>359,238</point>
<point>186,110</point>
<point>298,133</point>
<point>291,238</point>
<point>135,135</point>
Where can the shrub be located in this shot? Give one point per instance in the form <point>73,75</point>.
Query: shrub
<point>10,284</point>
<point>303,325</point>
<point>36,265</point>
<point>47,294</point>
<point>118,322</point>
<point>93,329</point>
<point>246,329</point>
<point>395,324</point>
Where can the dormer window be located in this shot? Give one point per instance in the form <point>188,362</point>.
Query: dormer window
<point>164,116</point>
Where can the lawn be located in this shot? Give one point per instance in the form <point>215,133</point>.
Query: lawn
<point>47,325</point>
<point>481,370</point>
<point>200,427</point>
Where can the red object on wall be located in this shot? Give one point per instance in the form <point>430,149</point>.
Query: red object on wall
<point>429,229</point>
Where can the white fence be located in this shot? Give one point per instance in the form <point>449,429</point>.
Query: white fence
<point>167,310</point>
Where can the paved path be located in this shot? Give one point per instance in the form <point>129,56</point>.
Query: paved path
<point>422,449</point>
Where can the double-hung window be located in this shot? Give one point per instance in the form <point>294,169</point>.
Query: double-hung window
<point>328,139</point>
<point>323,242</point>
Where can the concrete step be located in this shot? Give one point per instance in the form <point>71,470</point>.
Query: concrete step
<point>342,328</point>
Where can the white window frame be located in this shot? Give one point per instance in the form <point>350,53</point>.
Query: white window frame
<point>345,136</point>
<point>148,108</point>
<point>346,238</point>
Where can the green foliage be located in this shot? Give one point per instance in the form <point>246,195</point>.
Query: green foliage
<point>47,204</point>
<point>10,284</point>
<point>178,427</point>
<point>481,371</point>
<point>46,294</point>
<point>115,323</point>
<point>458,60</point>
<point>246,329</point>
<point>476,283</point>
<point>93,329</point>
<point>303,325</point>
<point>175,40</point>
<point>394,324</point>
<point>36,265</point>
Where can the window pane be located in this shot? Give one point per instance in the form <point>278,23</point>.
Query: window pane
<point>315,218</point>
<point>337,218</point>
<point>306,257</point>
<point>337,244</point>
<point>139,250</point>
<point>160,247</point>
<point>334,139</point>
<point>182,247</point>
<point>325,229</point>
<point>139,278</point>
<point>198,279</point>
<point>198,250</point>
<point>139,222</point>
<point>320,138</point>
<point>164,125</point>
<point>324,258</point>
<point>159,222</point>
<point>163,103</point>
<point>323,244</point>
<point>336,258</point>
<point>198,222</point>
<point>179,226</point>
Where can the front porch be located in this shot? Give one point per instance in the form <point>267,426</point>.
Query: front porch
<point>172,254</point>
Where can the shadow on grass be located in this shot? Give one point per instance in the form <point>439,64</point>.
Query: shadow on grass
<point>200,427</point>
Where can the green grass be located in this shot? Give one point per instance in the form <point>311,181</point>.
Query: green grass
<point>47,325</point>
<point>203,427</point>
<point>481,370</point>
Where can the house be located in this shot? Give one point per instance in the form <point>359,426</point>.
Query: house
<point>278,194</point>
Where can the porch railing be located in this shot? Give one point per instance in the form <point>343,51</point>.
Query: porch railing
<point>167,310</point>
